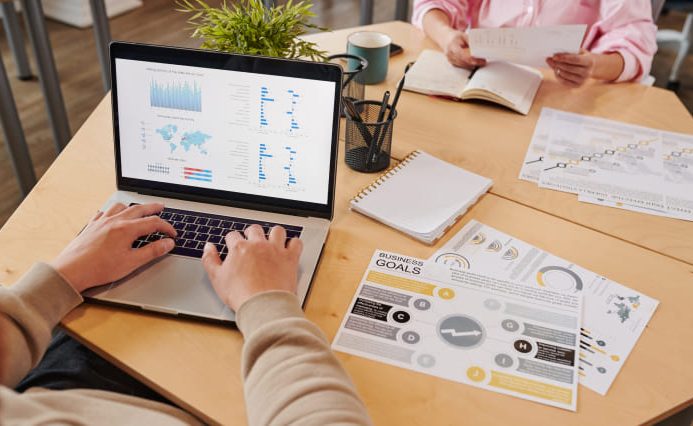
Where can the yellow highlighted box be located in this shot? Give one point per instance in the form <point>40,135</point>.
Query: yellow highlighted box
<point>531,387</point>
<point>401,283</point>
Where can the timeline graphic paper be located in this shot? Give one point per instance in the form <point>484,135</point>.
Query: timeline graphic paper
<point>614,316</point>
<point>459,325</point>
<point>612,164</point>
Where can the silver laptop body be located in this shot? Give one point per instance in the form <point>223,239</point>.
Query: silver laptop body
<point>273,161</point>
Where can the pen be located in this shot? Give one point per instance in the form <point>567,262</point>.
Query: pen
<point>383,106</point>
<point>354,115</point>
<point>373,154</point>
<point>351,110</point>
<point>400,86</point>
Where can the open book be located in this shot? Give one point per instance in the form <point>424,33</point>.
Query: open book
<point>510,85</point>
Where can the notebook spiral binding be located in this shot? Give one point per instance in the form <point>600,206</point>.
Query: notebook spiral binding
<point>385,176</point>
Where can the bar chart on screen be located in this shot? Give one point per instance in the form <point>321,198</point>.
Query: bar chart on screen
<point>183,95</point>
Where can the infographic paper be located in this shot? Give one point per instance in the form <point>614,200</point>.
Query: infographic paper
<point>604,159</point>
<point>459,325</point>
<point>612,164</point>
<point>614,316</point>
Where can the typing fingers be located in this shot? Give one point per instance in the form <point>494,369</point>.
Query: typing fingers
<point>232,239</point>
<point>151,251</point>
<point>148,225</point>
<point>115,209</point>
<point>142,210</point>
<point>211,260</point>
<point>295,247</point>
<point>278,235</point>
<point>254,232</point>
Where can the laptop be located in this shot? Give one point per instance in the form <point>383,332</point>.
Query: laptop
<point>223,141</point>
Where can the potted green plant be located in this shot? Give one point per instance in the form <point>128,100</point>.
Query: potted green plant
<point>248,27</point>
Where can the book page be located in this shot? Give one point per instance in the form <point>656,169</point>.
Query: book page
<point>525,45</point>
<point>486,332</point>
<point>432,74</point>
<point>513,83</point>
<point>614,315</point>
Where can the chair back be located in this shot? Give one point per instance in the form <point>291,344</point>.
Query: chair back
<point>657,6</point>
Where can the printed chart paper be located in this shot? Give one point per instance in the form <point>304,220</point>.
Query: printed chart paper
<point>612,164</point>
<point>614,316</point>
<point>525,45</point>
<point>603,159</point>
<point>678,173</point>
<point>534,158</point>
<point>459,325</point>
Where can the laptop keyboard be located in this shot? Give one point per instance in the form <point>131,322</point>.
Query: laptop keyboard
<point>195,229</point>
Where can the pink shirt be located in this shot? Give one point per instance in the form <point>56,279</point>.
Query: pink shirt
<point>623,26</point>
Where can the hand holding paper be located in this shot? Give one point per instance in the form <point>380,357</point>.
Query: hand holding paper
<point>527,45</point>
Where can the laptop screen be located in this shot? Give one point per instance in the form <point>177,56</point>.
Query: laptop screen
<point>226,130</point>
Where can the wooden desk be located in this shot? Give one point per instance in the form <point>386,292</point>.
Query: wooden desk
<point>197,365</point>
<point>492,141</point>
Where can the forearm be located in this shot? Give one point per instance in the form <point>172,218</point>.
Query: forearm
<point>436,25</point>
<point>29,310</point>
<point>607,66</point>
<point>290,373</point>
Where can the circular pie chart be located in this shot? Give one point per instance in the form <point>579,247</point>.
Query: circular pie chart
<point>559,278</point>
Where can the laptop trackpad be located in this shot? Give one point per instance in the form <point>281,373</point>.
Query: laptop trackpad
<point>173,283</point>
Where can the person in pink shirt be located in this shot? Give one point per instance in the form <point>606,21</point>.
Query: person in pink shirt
<point>618,46</point>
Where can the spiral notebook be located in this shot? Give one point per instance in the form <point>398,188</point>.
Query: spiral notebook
<point>422,196</point>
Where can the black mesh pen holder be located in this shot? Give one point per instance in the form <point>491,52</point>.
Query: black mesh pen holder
<point>369,142</point>
<point>351,89</point>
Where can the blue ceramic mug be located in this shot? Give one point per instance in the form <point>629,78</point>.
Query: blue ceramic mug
<point>374,47</point>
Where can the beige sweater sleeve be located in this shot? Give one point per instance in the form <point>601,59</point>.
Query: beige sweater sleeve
<point>291,375</point>
<point>29,310</point>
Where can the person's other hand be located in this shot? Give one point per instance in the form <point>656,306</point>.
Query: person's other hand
<point>254,265</point>
<point>457,51</point>
<point>572,69</point>
<point>103,253</point>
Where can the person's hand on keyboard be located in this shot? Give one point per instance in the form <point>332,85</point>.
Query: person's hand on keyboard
<point>103,253</point>
<point>255,264</point>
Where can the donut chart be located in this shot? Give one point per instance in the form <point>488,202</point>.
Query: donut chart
<point>453,260</point>
<point>559,278</point>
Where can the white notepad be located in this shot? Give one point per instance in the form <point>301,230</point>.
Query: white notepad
<point>422,196</point>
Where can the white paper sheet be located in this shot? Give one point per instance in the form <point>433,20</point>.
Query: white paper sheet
<point>678,174</point>
<point>469,328</point>
<point>534,158</point>
<point>604,159</point>
<point>613,204</point>
<point>525,45</point>
<point>614,316</point>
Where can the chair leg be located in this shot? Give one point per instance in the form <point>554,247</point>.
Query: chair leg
<point>16,40</point>
<point>684,47</point>
<point>402,10</point>
<point>14,136</point>
<point>366,12</point>
<point>48,74</point>
<point>102,36</point>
